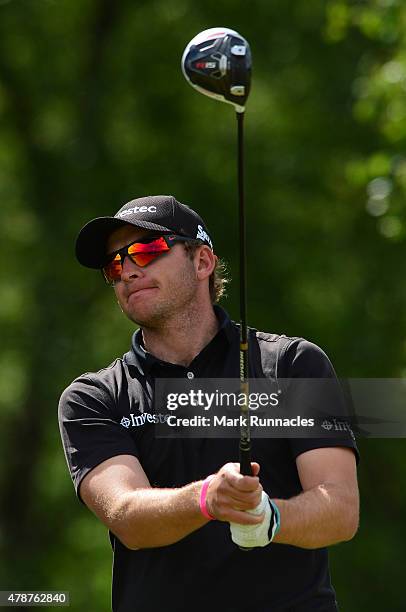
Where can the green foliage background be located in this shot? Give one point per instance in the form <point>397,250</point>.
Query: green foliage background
<point>94,111</point>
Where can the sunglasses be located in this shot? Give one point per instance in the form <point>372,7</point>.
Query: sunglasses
<point>141,252</point>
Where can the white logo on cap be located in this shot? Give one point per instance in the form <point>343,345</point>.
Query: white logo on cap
<point>137,209</point>
<point>203,235</point>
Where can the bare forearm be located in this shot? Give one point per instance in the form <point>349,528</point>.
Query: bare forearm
<point>147,518</point>
<point>324,515</point>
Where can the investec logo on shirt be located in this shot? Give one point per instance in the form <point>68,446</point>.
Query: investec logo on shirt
<point>136,420</point>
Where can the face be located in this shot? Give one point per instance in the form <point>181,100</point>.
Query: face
<point>152,294</point>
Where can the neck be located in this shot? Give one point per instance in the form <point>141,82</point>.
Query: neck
<point>183,336</point>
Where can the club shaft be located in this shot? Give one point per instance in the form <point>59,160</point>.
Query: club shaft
<point>245,439</point>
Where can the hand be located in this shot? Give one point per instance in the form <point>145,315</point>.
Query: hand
<point>251,536</point>
<point>230,495</point>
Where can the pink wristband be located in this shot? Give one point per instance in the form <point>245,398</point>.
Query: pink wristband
<point>203,494</point>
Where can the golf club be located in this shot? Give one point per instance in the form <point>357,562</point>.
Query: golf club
<point>217,62</point>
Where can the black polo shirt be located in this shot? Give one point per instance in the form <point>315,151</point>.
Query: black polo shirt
<point>205,570</point>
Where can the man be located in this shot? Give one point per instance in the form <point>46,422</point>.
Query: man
<point>169,523</point>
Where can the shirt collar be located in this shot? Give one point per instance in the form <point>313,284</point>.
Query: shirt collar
<point>144,361</point>
<point>226,326</point>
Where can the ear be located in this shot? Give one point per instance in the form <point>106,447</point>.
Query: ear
<point>205,262</point>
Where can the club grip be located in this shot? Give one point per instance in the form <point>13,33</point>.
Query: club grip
<point>245,469</point>
<point>245,460</point>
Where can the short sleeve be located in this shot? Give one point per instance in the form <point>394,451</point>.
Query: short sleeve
<point>303,359</point>
<point>90,434</point>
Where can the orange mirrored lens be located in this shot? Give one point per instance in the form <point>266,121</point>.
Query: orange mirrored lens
<point>139,250</point>
<point>112,271</point>
<point>140,253</point>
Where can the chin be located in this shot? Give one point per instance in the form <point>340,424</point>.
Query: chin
<point>146,317</point>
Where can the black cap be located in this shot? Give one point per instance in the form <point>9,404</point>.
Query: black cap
<point>162,213</point>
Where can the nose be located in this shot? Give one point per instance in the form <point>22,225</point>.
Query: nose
<point>130,270</point>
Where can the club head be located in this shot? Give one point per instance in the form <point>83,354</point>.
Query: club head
<point>217,62</point>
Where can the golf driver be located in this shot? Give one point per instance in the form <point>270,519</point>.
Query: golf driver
<point>217,62</point>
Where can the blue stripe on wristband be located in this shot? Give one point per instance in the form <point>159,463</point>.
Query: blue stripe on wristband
<point>277,517</point>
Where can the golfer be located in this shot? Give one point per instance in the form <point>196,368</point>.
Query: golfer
<point>178,510</point>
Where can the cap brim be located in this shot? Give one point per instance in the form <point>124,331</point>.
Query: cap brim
<point>91,242</point>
